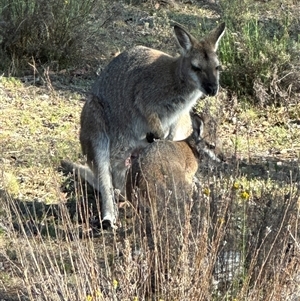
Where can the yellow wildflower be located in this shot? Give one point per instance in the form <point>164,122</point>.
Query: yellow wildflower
<point>89,298</point>
<point>221,220</point>
<point>206,191</point>
<point>236,185</point>
<point>115,283</point>
<point>245,195</point>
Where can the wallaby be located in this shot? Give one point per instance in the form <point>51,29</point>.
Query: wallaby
<point>142,91</point>
<point>166,166</point>
<point>160,187</point>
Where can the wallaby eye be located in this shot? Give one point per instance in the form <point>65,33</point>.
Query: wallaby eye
<point>196,69</point>
<point>219,68</point>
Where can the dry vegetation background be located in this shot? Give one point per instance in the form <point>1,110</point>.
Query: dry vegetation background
<point>244,244</point>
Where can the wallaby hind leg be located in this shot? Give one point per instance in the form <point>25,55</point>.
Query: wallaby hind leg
<point>108,208</point>
<point>99,163</point>
<point>96,145</point>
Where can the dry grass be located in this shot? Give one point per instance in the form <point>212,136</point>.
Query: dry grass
<point>244,232</point>
<point>242,244</point>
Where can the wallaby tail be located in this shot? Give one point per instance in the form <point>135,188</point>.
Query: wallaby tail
<point>81,171</point>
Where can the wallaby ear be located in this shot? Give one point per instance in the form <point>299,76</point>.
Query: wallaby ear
<point>197,124</point>
<point>215,36</point>
<point>185,40</point>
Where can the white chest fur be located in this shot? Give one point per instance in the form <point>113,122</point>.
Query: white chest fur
<point>192,98</point>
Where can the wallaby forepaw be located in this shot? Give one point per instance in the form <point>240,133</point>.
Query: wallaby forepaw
<point>151,137</point>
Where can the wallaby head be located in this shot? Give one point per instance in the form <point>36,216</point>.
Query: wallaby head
<point>198,128</point>
<point>200,64</point>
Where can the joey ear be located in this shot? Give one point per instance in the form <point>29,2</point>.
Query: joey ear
<point>197,124</point>
<point>215,36</point>
<point>185,40</point>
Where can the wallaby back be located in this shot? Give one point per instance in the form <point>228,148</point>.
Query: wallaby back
<point>160,186</point>
<point>165,166</point>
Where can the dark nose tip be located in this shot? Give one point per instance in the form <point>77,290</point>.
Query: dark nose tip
<point>212,90</point>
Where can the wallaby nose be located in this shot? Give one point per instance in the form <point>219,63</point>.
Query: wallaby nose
<point>212,90</point>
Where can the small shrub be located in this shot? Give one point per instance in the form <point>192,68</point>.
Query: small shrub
<point>255,51</point>
<point>48,31</point>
